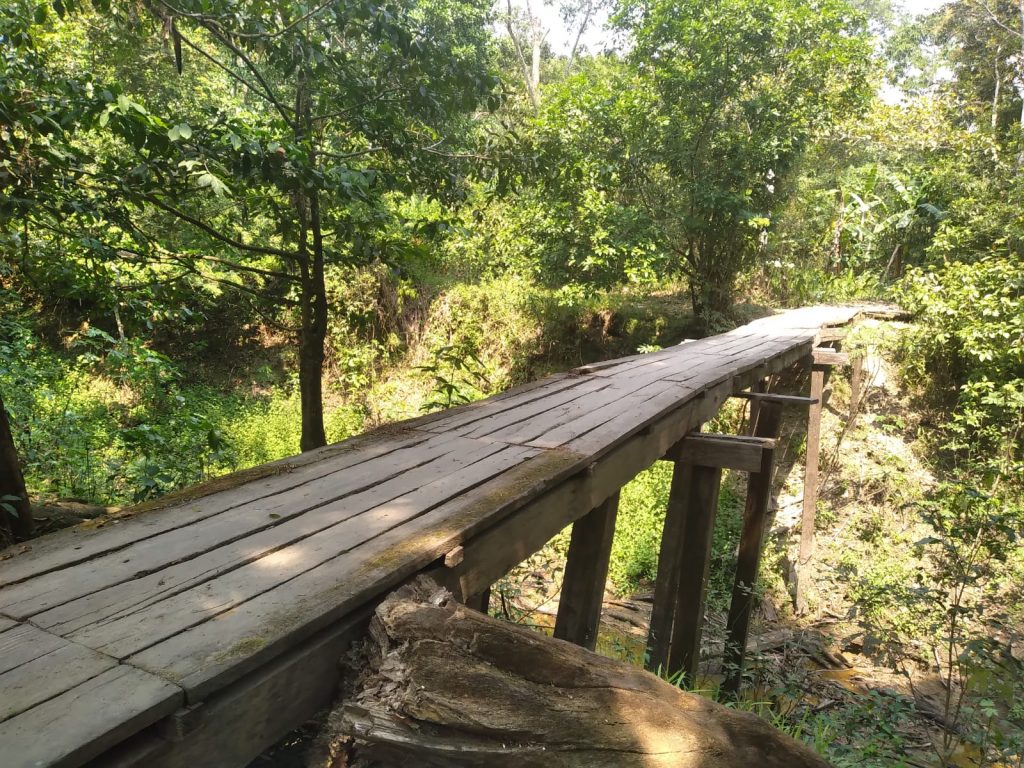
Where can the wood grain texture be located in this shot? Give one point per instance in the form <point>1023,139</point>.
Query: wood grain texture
<point>82,722</point>
<point>447,686</point>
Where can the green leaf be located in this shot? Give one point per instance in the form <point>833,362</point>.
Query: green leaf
<point>180,131</point>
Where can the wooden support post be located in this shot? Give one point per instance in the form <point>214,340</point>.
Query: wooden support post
<point>694,562</point>
<point>481,601</point>
<point>659,635</point>
<point>586,571</point>
<point>807,518</point>
<point>760,387</point>
<point>755,519</point>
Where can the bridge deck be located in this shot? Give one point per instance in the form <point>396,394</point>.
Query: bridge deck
<point>107,632</point>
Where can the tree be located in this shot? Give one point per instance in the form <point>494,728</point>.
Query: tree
<point>738,91</point>
<point>15,511</point>
<point>337,105</point>
<point>698,129</point>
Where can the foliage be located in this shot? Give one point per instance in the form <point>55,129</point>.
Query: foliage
<point>704,123</point>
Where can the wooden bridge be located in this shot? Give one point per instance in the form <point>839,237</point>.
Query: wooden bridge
<point>199,633</point>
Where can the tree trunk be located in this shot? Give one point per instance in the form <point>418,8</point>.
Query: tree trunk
<point>12,487</point>
<point>711,291</point>
<point>314,337</point>
<point>444,685</point>
<point>314,295</point>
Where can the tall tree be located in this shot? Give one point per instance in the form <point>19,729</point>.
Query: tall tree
<point>15,511</point>
<point>739,89</point>
<point>339,103</point>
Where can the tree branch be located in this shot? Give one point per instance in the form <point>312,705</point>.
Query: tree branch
<point>215,234</point>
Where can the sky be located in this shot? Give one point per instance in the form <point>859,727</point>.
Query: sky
<point>595,38</point>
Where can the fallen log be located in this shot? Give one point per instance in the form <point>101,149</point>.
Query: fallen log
<point>442,685</point>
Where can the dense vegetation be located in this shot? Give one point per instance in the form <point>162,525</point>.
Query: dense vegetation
<point>233,229</point>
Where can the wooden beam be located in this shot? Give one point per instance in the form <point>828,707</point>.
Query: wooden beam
<point>235,725</point>
<point>724,451</point>
<point>659,634</point>
<point>774,397</point>
<point>807,517</point>
<point>694,563</point>
<point>833,333</point>
<point>755,519</point>
<point>586,571</point>
<point>829,356</point>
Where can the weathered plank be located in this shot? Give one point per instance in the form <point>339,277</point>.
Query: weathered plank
<point>22,643</point>
<point>139,629</point>
<point>76,545</point>
<point>217,651</point>
<point>82,722</point>
<point>722,451</point>
<point>829,356</point>
<point>280,530</point>
<point>775,397</point>
<point>49,675</point>
<point>586,571</point>
<point>235,725</point>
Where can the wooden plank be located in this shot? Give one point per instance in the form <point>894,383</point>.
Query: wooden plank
<point>464,415</point>
<point>666,585</point>
<point>631,409</point>
<point>694,565</point>
<point>81,723</point>
<point>231,728</point>
<point>49,675</point>
<point>23,643</point>
<point>637,416</point>
<point>755,520</point>
<point>810,501</point>
<point>6,623</point>
<point>586,572</point>
<point>722,451</point>
<point>570,420</point>
<point>507,419</point>
<point>75,545</point>
<point>281,520</point>
<point>135,630</point>
<point>828,356</point>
